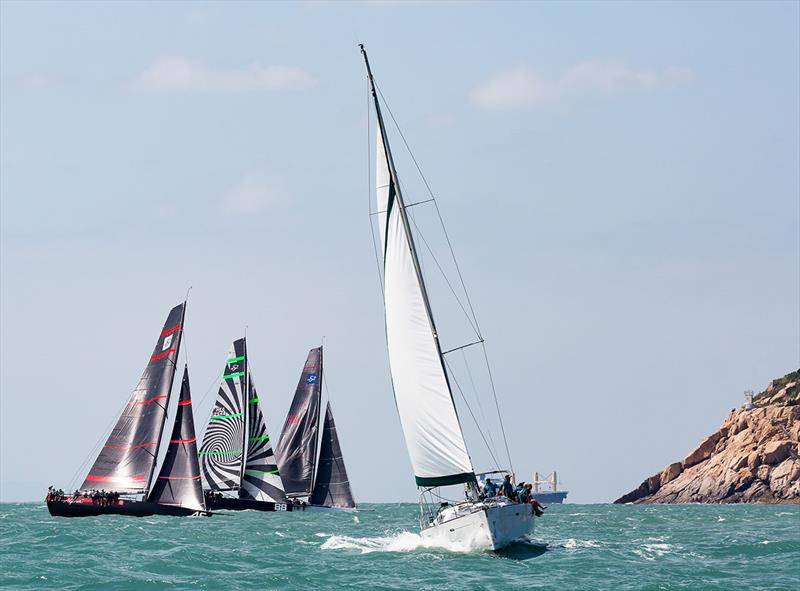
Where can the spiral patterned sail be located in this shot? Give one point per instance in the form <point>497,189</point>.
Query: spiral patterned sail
<point>260,481</point>
<point>222,452</point>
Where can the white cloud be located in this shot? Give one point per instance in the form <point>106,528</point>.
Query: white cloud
<point>255,192</point>
<point>177,74</point>
<point>524,86</point>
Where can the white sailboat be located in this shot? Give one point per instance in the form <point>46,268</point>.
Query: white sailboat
<point>423,394</point>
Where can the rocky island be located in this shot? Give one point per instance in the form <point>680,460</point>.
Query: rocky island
<point>754,457</point>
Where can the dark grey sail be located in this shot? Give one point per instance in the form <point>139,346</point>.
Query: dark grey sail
<point>178,482</point>
<point>260,480</point>
<point>222,452</point>
<point>332,487</point>
<point>127,460</point>
<point>297,448</point>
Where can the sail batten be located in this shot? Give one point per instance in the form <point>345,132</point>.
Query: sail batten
<point>127,460</point>
<point>222,452</point>
<point>424,400</point>
<point>297,448</point>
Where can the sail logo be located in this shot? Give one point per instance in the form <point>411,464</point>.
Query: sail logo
<point>312,378</point>
<point>233,366</point>
<point>292,419</point>
<point>167,343</point>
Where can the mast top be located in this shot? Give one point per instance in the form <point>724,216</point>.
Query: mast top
<point>369,72</point>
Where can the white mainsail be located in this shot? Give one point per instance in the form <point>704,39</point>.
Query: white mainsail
<point>424,401</point>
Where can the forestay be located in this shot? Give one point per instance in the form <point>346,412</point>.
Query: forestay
<point>222,452</point>
<point>127,460</point>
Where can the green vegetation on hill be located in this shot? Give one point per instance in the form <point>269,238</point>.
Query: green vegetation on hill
<point>785,390</point>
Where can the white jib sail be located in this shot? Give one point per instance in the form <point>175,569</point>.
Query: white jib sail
<point>432,432</point>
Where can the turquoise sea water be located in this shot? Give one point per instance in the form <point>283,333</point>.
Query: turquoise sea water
<point>587,547</point>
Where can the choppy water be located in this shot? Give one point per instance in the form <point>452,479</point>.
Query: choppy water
<point>587,547</point>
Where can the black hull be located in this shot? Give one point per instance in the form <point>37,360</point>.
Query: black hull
<point>231,504</point>
<point>123,507</point>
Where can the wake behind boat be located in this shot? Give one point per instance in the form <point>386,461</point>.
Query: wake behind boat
<point>421,383</point>
<point>126,463</point>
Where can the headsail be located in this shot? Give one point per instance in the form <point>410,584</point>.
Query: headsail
<point>222,451</point>
<point>332,487</point>
<point>261,481</point>
<point>425,404</point>
<point>128,458</point>
<point>297,448</point>
<point>178,482</point>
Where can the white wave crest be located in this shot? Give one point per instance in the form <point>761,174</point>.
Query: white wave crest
<point>653,551</point>
<point>403,541</point>
<point>573,544</point>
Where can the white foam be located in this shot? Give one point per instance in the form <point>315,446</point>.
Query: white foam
<point>403,541</point>
<point>653,551</point>
<point>572,544</point>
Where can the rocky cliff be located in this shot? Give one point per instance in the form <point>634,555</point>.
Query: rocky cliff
<point>754,457</point>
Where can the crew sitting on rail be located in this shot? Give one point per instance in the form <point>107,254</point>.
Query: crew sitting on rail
<point>538,509</point>
<point>507,488</point>
<point>490,488</point>
<point>54,495</point>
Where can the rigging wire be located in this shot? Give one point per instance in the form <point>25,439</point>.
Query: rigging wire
<point>106,432</point>
<point>497,406</point>
<point>446,279</point>
<point>472,414</point>
<point>478,400</point>
<point>458,271</point>
<point>369,195</point>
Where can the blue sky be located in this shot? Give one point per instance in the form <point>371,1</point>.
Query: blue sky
<point>620,182</point>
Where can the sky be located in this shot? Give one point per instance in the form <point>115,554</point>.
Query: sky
<point>620,182</point>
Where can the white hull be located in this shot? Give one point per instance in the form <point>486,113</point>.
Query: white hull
<point>481,526</point>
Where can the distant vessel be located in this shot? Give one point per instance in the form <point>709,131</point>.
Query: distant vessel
<point>126,464</point>
<point>552,496</point>
<point>314,484</point>
<point>421,383</point>
<point>239,466</point>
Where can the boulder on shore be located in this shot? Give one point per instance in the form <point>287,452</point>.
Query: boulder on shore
<point>754,457</point>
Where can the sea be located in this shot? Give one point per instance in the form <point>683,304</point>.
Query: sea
<point>573,547</point>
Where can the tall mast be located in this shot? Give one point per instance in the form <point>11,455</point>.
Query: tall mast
<point>407,227</point>
<point>166,407</point>
<point>245,410</point>
<point>315,467</point>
